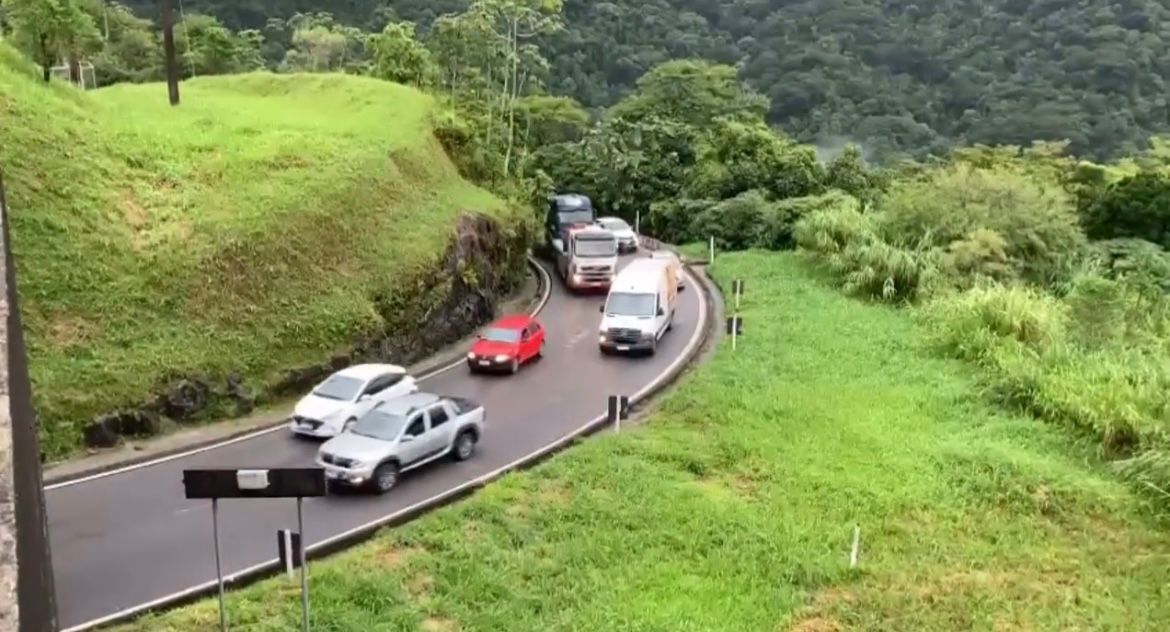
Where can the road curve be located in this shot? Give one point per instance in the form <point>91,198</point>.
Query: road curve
<point>128,540</point>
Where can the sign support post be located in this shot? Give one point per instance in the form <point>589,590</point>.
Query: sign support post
<point>218,564</point>
<point>304,565</point>
<point>298,483</point>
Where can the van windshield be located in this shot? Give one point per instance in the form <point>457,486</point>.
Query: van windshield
<point>575,216</point>
<point>629,304</point>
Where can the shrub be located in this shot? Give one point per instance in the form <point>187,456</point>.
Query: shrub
<point>735,223</point>
<point>830,230</point>
<point>1035,219</point>
<point>972,324</point>
<point>1137,206</point>
<point>1141,264</point>
<point>880,271</point>
<point>673,220</point>
<point>778,223</point>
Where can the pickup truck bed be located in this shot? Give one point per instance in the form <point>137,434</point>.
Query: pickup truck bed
<point>463,405</point>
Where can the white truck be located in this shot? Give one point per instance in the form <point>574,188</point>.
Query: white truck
<point>640,307</point>
<point>400,435</point>
<point>588,258</point>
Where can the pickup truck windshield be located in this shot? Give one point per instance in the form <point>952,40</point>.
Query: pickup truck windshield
<point>495,334</point>
<point>628,304</point>
<point>595,247</point>
<point>340,387</point>
<point>378,424</point>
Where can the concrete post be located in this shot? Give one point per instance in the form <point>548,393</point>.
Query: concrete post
<point>27,594</point>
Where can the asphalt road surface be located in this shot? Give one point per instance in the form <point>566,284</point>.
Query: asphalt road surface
<point>130,538</point>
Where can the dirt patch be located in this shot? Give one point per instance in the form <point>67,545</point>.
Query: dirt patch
<point>439,624</point>
<point>69,331</point>
<point>136,216</point>
<point>816,624</point>
<point>554,493</point>
<point>394,556</point>
<point>420,586</point>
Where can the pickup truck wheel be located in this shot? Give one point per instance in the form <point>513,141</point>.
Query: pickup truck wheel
<point>464,445</point>
<point>385,477</point>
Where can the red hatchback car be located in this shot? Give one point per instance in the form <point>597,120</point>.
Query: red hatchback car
<point>506,344</point>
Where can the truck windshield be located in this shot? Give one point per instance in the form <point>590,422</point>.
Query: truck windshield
<point>378,424</point>
<point>582,215</point>
<point>627,304</point>
<point>595,247</point>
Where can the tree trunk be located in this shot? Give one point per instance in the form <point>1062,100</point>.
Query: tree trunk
<point>46,66</point>
<point>75,72</point>
<point>515,76</point>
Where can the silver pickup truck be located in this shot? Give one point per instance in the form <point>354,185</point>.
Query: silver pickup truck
<point>400,435</point>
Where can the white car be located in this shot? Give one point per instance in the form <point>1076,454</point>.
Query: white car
<point>335,404</point>
<point>626,237</point>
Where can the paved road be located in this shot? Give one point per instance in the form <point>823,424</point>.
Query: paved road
<point>127,539</point>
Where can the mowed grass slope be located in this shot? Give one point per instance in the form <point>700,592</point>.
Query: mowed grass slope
<point>244,231</point>
<point>733,508</point>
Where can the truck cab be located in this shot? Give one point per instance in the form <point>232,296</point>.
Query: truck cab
<point>640,307</point>
<point>588,258</point>
<point>566,211</point>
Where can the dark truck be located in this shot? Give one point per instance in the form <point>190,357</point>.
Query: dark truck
<point>566,211</point>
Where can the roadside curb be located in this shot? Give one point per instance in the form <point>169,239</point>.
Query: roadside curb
<point>437,363</point>
<point>701,282</point>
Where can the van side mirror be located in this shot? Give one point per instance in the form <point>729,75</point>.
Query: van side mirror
<point>601,308</point>
<point>661,312</point>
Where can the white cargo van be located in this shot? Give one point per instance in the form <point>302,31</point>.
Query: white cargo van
<point>640,307</point>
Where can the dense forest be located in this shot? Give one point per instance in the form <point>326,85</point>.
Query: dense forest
<point>891,75</point>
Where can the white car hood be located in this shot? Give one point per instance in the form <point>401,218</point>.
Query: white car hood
<point>642,323</point>
<point>319,408</point>
<point>625,234</point>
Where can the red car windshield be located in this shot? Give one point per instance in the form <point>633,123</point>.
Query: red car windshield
<point>497,334</point>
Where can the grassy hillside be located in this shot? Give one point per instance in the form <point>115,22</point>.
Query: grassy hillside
<point>733,508</point>
<point>245,231</point>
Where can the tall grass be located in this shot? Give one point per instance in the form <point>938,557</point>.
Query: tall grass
<point>732,508</point>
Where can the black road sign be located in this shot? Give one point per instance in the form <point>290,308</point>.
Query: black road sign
<point>296,482</point>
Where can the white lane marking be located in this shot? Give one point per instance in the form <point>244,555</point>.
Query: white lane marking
<point>259,433</point>
<point>373,524</point>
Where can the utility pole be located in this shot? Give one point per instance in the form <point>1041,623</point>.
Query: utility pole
<point>168,25</point>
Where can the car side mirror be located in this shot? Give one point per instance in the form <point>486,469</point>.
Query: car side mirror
<point>661,312</point>
<point>407,438</point>
<point>364,397</point>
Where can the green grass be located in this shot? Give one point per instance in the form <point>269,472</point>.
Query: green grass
<point>733,508</point>
<point>244,231</point>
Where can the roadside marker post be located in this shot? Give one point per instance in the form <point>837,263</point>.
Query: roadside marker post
<point>638,223</point>
<point>856,546</point>
<point>737,289</point>
<point>288,548</point>
<point>217,484</point>
<point>619,409</point>
<point>711,256</point>
<point>734,328</point>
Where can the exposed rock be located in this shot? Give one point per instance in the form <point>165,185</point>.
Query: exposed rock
<point>240,393</point>
<point>186,399</point>
<point>107,430</point>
